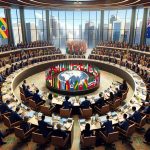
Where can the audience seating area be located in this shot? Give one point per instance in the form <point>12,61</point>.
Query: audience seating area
<point>62,139</point>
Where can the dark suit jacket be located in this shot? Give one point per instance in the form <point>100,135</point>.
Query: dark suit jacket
<point>25,126</point>
<point>67,104</point>
<point>108,126</point>
<point>100,102</point>
<point>23,87</point>
<point>14,117</point>
<point>27,93</point>
<point>4,108</point>
<point>59,133</point>
<point>124,125</point>
<point>43,127</point>
<point>85,104</point>
<point>136,117</point>
<point>86,133</point>
<point>37,98</point>
<point>118,94</point>
<point>147,110</point>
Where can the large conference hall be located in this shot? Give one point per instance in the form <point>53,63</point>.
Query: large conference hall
<point>74,75</point>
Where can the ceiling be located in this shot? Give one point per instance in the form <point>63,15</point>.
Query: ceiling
<point>75,3</point>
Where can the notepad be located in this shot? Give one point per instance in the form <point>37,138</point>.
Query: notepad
<point>113,114</point>
<point>48,120</point>
<point>102,119</point>
<point>64,120</point>
<point>30,114</point>
<point>82,121</point>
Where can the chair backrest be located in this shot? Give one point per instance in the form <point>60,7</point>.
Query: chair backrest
<point>87,113</point>
<point>130,130</point>
<point>21,89</point>
<point>6,121</point>
<point>57,141</point>
<point>112,137</point>
<point>19,132</point>
<point>105,109</point>
<point>124,95</point>
<point>22,97</point>
<point>64,112</point>
<point>32,104</point>
<point>38,138</point>
<point>45,110</point>
<point>89,141</point>
<point>117,103</point>
<point>142,122</point>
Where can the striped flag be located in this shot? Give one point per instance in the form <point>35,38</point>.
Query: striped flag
<point>76,85</point>
<point>3,28</point>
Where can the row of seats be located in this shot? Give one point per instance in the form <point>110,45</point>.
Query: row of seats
<point>125,45</point>
<point>4,48</point>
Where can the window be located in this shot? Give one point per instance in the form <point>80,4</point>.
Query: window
<point>35,23</point>
<point>138,25</point>
<point>16,26</point>
<point>117,25</point>
<point>74,25</point>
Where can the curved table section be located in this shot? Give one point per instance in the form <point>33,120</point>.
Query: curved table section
<point>31,70</point>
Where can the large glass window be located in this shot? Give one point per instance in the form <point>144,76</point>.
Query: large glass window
<point>138,25</point>
<point>2,15</point>
<point>148,28</point>
<point>35,23</point>
<point>117,25</point>
<point>74,25</point>
<point>16,25</point>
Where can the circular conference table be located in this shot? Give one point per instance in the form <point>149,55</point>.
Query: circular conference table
<point>131,77</point>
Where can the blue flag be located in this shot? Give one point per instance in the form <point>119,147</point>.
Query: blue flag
<point>148,29</point>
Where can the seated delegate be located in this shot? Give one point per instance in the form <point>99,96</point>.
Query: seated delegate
<point>45,128</point>
<point>124,124</point>
<point>87,132</point>
<point>136,117</point>
<point>58,132</point>
<point>85,104</point>
<point>66,103</point>
<point>100,101</point>
<point>14,116</point>
<point>108,127</point>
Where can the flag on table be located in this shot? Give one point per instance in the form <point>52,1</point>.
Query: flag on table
<point>55,82</point>
<point>67,85</point>
<point>3,28</point>
<point>58,84</point>
<point>90,69</point>
<point>71,86</point>
<point>76,85</point>
<point>85,84</point>
<point>80,87</point>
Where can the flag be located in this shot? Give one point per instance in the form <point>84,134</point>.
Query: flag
<point>67,50</point>
<point>76,85</point>
<point>148,29</point>
<point>80,87</point>
<point>67,85</point>
<point>3,28</point>
<point>85,84</point>
<point>58,84</point>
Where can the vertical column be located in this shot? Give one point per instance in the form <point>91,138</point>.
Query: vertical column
<point>132,26</point>
<point>143,32</point>
<point>23,29</point>
<point>47,26</point>
<point>101,25</point>
<point>9,23</point>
